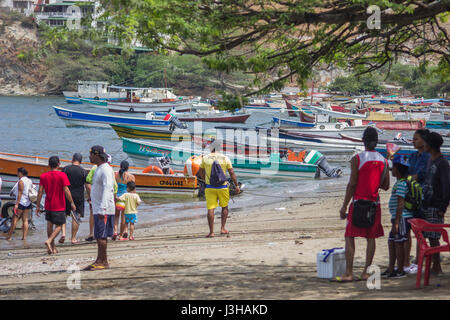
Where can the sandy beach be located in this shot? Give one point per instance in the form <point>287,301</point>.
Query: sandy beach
<point>270,253</point>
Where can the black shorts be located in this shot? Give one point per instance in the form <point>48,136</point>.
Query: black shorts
<point>79,203</point>
<point>56,217</point>
<point>21,207</point>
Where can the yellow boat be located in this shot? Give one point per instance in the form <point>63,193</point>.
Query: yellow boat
<point>146,133</point>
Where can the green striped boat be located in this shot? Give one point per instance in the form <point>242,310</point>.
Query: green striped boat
<point>270,167</point>
<point>95,103</point>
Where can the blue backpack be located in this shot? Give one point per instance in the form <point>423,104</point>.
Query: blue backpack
<point>217,177</point>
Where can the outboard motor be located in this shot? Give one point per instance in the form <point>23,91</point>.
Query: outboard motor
<point>317,158</point>
<point>161,162</point>
<point>323,165</point>
<point>176,123</point>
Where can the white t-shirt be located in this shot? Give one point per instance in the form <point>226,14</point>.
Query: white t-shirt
<point>27,183</point>
<point>102,191</point>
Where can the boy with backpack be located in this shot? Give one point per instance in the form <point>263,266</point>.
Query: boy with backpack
<point>212,170</point>
<point>405,199</point>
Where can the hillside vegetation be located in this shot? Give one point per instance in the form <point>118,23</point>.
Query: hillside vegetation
<point>42,60</point>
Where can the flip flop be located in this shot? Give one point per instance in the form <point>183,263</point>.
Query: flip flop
<point>341,280</point>
<point>62,239</point>
<point>93,267</point>
<point>131,238</point>
<point>123,239</point>
<point>89,239</point>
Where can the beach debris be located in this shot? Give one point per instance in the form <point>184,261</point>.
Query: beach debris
<point>298,242</point>
<point>10,254</point>
<point>280,209</point>
<point>304,236</point>
<point>270,244</point>
<point>306,204</point>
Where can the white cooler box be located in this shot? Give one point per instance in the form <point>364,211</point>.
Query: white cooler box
<point>334,264</point>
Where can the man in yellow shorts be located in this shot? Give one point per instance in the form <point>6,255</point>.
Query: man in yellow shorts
<point>217,194</point>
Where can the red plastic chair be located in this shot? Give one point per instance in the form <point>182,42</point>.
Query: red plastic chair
<point>425,251</point>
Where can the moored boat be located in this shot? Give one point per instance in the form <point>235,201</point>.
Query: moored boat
<point>445,124</point>
<point>292,123</point>
<point>215,117</point>
<point>272,167</point>
<point>135,132</point>
<point>87,119</point>
<point>146,183</point>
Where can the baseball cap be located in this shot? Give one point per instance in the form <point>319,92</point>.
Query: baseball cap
<point>100,151</point>
<point>215,145</point>
<point>403,160</point>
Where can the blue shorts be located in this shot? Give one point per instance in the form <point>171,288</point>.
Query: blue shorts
<point>130,218</point>
<point>103,226</point>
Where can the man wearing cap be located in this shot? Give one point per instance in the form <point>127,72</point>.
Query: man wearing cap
<point>77,179</point>
<point>102,200</point>
<point>89,177</point>
<point>369,173</point>
<point>436,192</point>
<point>217,194</point>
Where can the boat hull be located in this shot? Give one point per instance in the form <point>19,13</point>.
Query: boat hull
<point>292,123</point>
<point>148,133</point>
<point>146,183</point>
<point>85,119</point>
<point>141,151</point>
<point>221,119</point>
<point>438,124</point>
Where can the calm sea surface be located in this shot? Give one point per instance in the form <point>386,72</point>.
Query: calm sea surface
<point>30,126</point>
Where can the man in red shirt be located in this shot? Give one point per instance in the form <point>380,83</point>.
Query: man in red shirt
<point>55,184</point>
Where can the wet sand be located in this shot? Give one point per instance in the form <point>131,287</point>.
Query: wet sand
<point>269,254</point>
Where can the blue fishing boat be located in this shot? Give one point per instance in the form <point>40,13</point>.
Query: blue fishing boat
<point>292,123</point>
<point>86,119</point>
<point>444,124</point>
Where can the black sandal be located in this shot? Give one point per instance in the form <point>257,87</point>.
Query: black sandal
<point>89,239</point>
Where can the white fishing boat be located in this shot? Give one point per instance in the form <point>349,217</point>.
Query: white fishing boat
<point>96,90</point>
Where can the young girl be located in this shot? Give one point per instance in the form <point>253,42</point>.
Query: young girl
<point>122,178</point>
<point>131,200</point>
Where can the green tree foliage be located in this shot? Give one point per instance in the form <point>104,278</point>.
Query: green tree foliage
<point>354,85</point>
<point>427,82</point>
<point>231,102</point>
<point>278,39</point>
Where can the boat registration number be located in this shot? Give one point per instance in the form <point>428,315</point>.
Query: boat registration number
<point>171,183</point>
